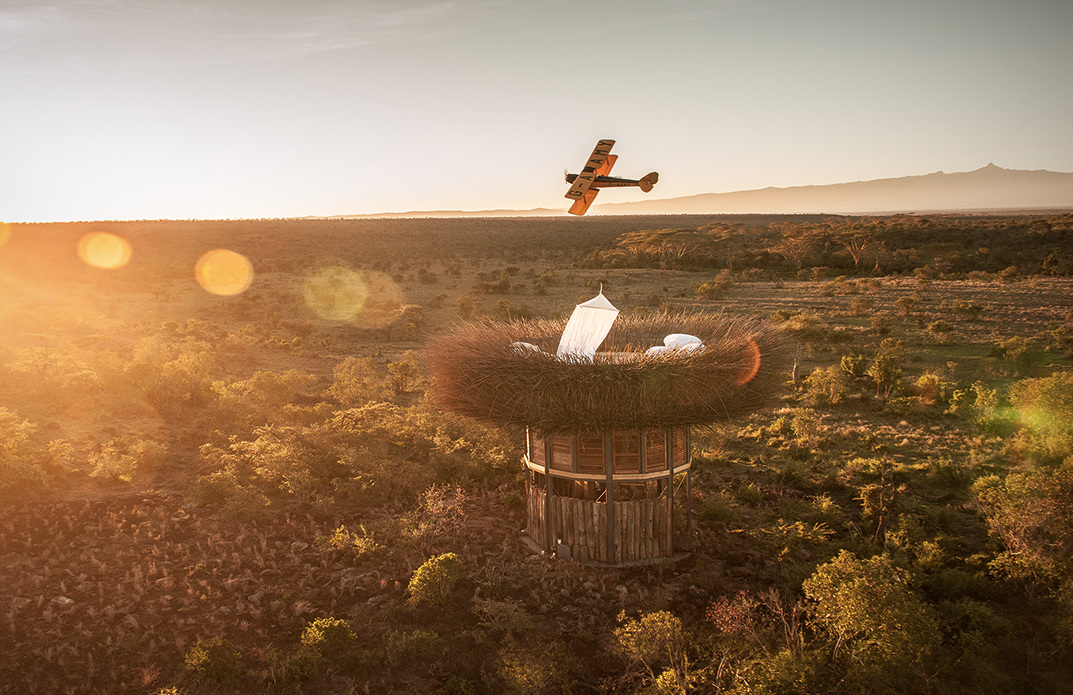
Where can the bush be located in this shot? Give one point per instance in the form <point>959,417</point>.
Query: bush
<point>871,615</point>
<point>404,374</point>
<point>854,365</point>
<point>329,637</point>
<point>356,382</point>
<point>657,642</point>
<point>122,459</point>
<point>21,469</point>
<point>716,288</point>
<point>214,659</point>
<point>362,546</point>
<point>434,580</point>
<point>1044,410</point>
<point>886,372</point>
<point>1018,352</point>
<point>826,385</point>
<point>404,647</point>
<point>1030,514</point>
<point>976,404</point>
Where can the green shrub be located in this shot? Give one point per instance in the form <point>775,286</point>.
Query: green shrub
<point>123,459</point>
<point>1043,408</point>
<point>940,327</point>
<point>871,615</point>
<point>886,372</point>
<point>214,659</point>
<point>329,637</point>
<point>357,381</point>
<point>404,374</point>
<point>716,508</point>
<point>826,385</point>
<point>657,642</point>
<point>1030,514</point>
<point>855,366</point>
<point>433,581</point>
<point>403,647</point>
<point>976,404</point>
<point>1017,351</point>
<point>525,671</point>
<point>21,469</point>
<point>715,288</point>
<point>361,546</point>
<point>503,617</point>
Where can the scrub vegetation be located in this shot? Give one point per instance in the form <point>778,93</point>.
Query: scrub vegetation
<point>251,491</point>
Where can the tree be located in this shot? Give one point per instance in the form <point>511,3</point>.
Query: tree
<point>1030,514</point>
<point>856,239</point>
<point>657,642</point>
<point>876,622</point>
<point>797,244</point>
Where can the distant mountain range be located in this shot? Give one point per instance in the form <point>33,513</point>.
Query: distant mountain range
<point>988,189</point>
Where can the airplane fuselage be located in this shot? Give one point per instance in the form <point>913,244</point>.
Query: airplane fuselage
<point>606,181</point>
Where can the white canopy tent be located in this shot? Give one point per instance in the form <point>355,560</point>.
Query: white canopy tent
<point>587,328</point>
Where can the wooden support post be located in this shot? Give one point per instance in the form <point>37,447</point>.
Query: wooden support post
<point>644,452</point>
<point>669,437</point>
<point>689,484</point>
<point>609,477</point>
<point>549,526</point>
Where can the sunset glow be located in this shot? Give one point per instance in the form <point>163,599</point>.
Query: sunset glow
<point>224,272</point>
<point>346,108</point>
<point>101,250</point>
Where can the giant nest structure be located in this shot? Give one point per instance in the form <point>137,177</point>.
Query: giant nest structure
<point>608,405</point>
<point>507,373</point>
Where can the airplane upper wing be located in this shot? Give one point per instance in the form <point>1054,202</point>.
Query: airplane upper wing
<point>589,173</point>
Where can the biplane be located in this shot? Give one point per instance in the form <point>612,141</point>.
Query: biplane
<point>594,176</point>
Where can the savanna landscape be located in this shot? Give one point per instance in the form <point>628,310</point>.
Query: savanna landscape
<point>233,478</point>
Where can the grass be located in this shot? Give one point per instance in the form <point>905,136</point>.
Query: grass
<point>108,582</point>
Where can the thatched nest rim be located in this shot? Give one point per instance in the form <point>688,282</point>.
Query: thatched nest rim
<point>477,373</point>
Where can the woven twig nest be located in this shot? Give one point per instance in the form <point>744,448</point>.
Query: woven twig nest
<point>478,372</point>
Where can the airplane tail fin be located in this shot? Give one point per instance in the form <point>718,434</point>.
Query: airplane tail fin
<point>648,181</point>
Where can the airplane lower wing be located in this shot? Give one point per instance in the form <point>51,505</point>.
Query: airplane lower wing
<point>581,205</point>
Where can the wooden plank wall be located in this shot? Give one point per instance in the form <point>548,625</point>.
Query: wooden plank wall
<point>643,527</point>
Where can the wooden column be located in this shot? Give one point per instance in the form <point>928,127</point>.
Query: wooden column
<point>549,525</point>
<point>689,483</point>
<point>668,435</point>
<point>609,476</point>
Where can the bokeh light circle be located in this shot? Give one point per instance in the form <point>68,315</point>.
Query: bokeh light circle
<point>365,299</point>
<point>223,272</point>
<point>335,293</point>
<point>104,250</point>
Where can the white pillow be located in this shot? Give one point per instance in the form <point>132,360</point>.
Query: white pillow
<point>523,348</point>
<point>677,340</point>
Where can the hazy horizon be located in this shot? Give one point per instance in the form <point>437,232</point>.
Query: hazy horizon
<point>122,109</point>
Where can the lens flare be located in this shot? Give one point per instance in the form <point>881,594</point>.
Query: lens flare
<point>365,299</point>
<point>750,362</point>
<point>336,293</point>
<point>5,232</point>
<point>223,272</point>
<point>104,250</point>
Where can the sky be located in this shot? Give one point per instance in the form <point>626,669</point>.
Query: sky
<point>227,109</point>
